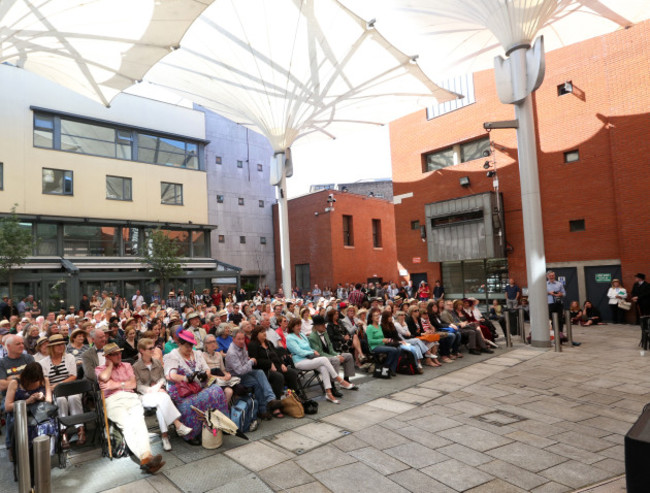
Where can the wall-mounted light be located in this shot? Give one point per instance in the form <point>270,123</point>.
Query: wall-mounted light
<point>491,173</point>
<point>464,181</point>
<point>486,165</point>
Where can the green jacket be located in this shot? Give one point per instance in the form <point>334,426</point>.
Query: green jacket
<point>317,345</point>
<point>375,336</point>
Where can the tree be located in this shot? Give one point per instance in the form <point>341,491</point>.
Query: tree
<point>15,246</point>
<point>162,255</point>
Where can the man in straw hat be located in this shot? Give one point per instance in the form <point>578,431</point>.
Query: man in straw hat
<point>193,324</point>
<point>123,406</point>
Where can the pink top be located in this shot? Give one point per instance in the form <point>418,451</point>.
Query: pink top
<point>121,373</point>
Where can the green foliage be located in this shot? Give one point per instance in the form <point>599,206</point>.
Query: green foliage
<point>162,255</point>
<point>15,246</point>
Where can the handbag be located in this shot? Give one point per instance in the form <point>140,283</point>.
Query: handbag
<point>186,389</point>
<point>310,406</point>
<point>624,305</point>
<point>430,337</point>
<point>40,412</point>
<point>291,406</point>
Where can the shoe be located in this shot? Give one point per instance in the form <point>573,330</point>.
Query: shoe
<point>574,343</point>
<point>336,392</point>
<point>475,352</point>
<point>266,416</point>
<point>487,351</point>
<point>194,441</point>
<point>332,399</point>
<point>446,359</point>
<point>183,430</point>
<point>392,373</point>
<point>167,446</point>
<point>458,355</point>
<point>419,370</point>
<point>496,346</point>
<point>348,386</point>
<point>152,464</point>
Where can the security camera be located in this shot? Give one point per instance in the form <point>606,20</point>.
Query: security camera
<point>330,198</point>
<point>486,153</point>
<point>486,165</point>
<point>316,213</point>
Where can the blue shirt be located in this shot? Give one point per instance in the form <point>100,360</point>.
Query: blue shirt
<point>511,291</point>
<point>555,286</point>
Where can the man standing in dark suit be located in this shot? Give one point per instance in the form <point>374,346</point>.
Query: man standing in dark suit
<point>641,294</point>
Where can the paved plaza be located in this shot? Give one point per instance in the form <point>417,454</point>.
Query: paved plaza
<point>520,420</point>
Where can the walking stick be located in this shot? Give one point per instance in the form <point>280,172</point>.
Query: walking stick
<point>108,433</point>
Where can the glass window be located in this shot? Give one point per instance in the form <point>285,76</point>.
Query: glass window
<point>474,149</point>
<point>474,278</point>
<point>261,203</point>
<point>43,131</point>
<point>263,240</point>
<point>415,224</point>
<point>171,193</point>
<point>131,240</point>
<point>217,160</point>
<point>376,233</point>
<point>46,243</point>
<point>57,181</point>
<point>348,234</point>
<point>576,225</point>
<point>86,138</point>
<point>572,156</point>
<point>240,164</point>
<point>260,167</point>
<point>240,200</point>
<point>118,188</point>
<point>222,238</point>
<point>220,199</point>
<point>198,244</point>
<point>242,239</point>
<point>439,159</point>
<point>82,240</point>
<point>2,176</point>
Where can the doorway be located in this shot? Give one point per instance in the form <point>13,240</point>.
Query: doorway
<point>598,279</point>
<point>569,277</point>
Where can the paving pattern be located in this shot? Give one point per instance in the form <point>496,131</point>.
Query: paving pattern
<point>522,420</point>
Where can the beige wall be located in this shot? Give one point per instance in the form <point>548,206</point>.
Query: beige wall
<point>23,162</point>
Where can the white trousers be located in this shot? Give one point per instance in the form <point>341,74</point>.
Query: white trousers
<point>125,410</point>
<point>323,366</point>
<point>166,411</point>
<point>69,406</point>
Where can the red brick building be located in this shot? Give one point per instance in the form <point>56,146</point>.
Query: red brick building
<point>354,242</point>
<point>594,168</point>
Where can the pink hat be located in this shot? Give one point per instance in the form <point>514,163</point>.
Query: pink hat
<point>187,336</point>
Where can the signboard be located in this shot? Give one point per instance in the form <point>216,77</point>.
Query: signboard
<point>224,280</point>
<point>403,272</point>
<point>417,260</point>
<point>603,277</point>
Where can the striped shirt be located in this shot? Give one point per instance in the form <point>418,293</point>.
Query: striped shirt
<point>58,373</point>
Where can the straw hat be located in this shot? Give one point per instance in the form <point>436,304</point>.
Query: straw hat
<point>111,348</point>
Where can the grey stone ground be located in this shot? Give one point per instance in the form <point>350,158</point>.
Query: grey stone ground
<point>521,420</point>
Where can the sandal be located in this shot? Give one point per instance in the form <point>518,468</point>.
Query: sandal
<point>278,414</point>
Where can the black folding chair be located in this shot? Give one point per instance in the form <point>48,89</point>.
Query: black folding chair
<point>73,388</point>
<point>309,378</point>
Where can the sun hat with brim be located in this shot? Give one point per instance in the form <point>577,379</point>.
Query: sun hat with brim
<point>223,313</point>
<point>187,336</point>
<point>56,339</point>
<point>40,341</point>
<point>5,323</point>
<point>127,322</point>
<point>192,315</point>
<point>111,348</point>
<point>76,332</point>
<point>4,331</point>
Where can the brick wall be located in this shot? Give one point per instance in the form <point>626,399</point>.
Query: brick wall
<point>606,118</point>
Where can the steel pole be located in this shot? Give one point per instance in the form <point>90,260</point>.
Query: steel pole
<point>557,332</point>
<point>569,328</point>
<point>42,469</point>
<point>508,335</point>
<point>531,206</point>
<point>21,438</point>
<point>283,227</point>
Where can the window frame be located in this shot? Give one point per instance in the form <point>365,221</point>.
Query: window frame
<point>63,193</point>
<point>376,234</point>
<point>348,230</point>
<point>240,164</point>
<point>162,184</point>
<point>261,204</point>
<point>566,155</point>
<point>241,201</point>
<point>123,178</point>
<point>2,176</point>
<point>220,198</point>
<point>262,240</point>
<point>242,240</point>
<point>221,238</point>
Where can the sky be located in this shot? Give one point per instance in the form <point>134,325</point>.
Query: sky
<point>361,154</point>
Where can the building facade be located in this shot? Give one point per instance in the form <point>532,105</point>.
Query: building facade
<point>350,240</point>
<point>240,197</point>
<point>382,188</point>
<point>92,184</point>
<point>592,116</point>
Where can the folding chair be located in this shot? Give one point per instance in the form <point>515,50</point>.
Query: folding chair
<point>73,388</point>
<point>309,378</point>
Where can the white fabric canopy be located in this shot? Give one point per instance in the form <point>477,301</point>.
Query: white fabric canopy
<point>94,47</point>
<point>290,69</point>
<point>456,37</point>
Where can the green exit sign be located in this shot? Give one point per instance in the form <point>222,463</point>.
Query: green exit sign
<point>603,277</point>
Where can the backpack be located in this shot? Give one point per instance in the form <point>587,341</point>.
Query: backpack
<point>119,448</point>
<point>406,363</point>
<point>244,413</point>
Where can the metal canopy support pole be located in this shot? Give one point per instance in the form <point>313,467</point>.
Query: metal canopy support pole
<point>22,446</point>
<point>42,468</point>
<point>283,222</point>
<point>517,77</point>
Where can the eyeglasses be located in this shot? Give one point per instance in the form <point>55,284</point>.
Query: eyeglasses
<point>149,348</point>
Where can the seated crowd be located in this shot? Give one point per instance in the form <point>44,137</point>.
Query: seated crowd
<point>205,351</point>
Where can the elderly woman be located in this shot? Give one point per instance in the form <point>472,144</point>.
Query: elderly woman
<point>269,361</point>
<point>615,294</point>
<point>305,358</point>
<point>217,366</point>
<point>77,347</point>
<point>403,332</point>
<point>31,336</point>
<point>224,339</point>
<point>187,374</point>
<point>305,321</point>
<point>60,367</point>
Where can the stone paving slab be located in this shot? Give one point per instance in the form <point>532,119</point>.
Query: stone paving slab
<point>206,474</point>
<point>258,455</point>
<point>379,461</point>
<point>285,475</point>
<point>364,478</point>
<point>417,482</point>
<point>457,475</point>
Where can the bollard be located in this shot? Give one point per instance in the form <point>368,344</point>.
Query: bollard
<point>22,446</point>
<point>521,329</point>
<point>508,336</point>
<point>569,328</point>
<point>557,332</point>
<point>42,468</point>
